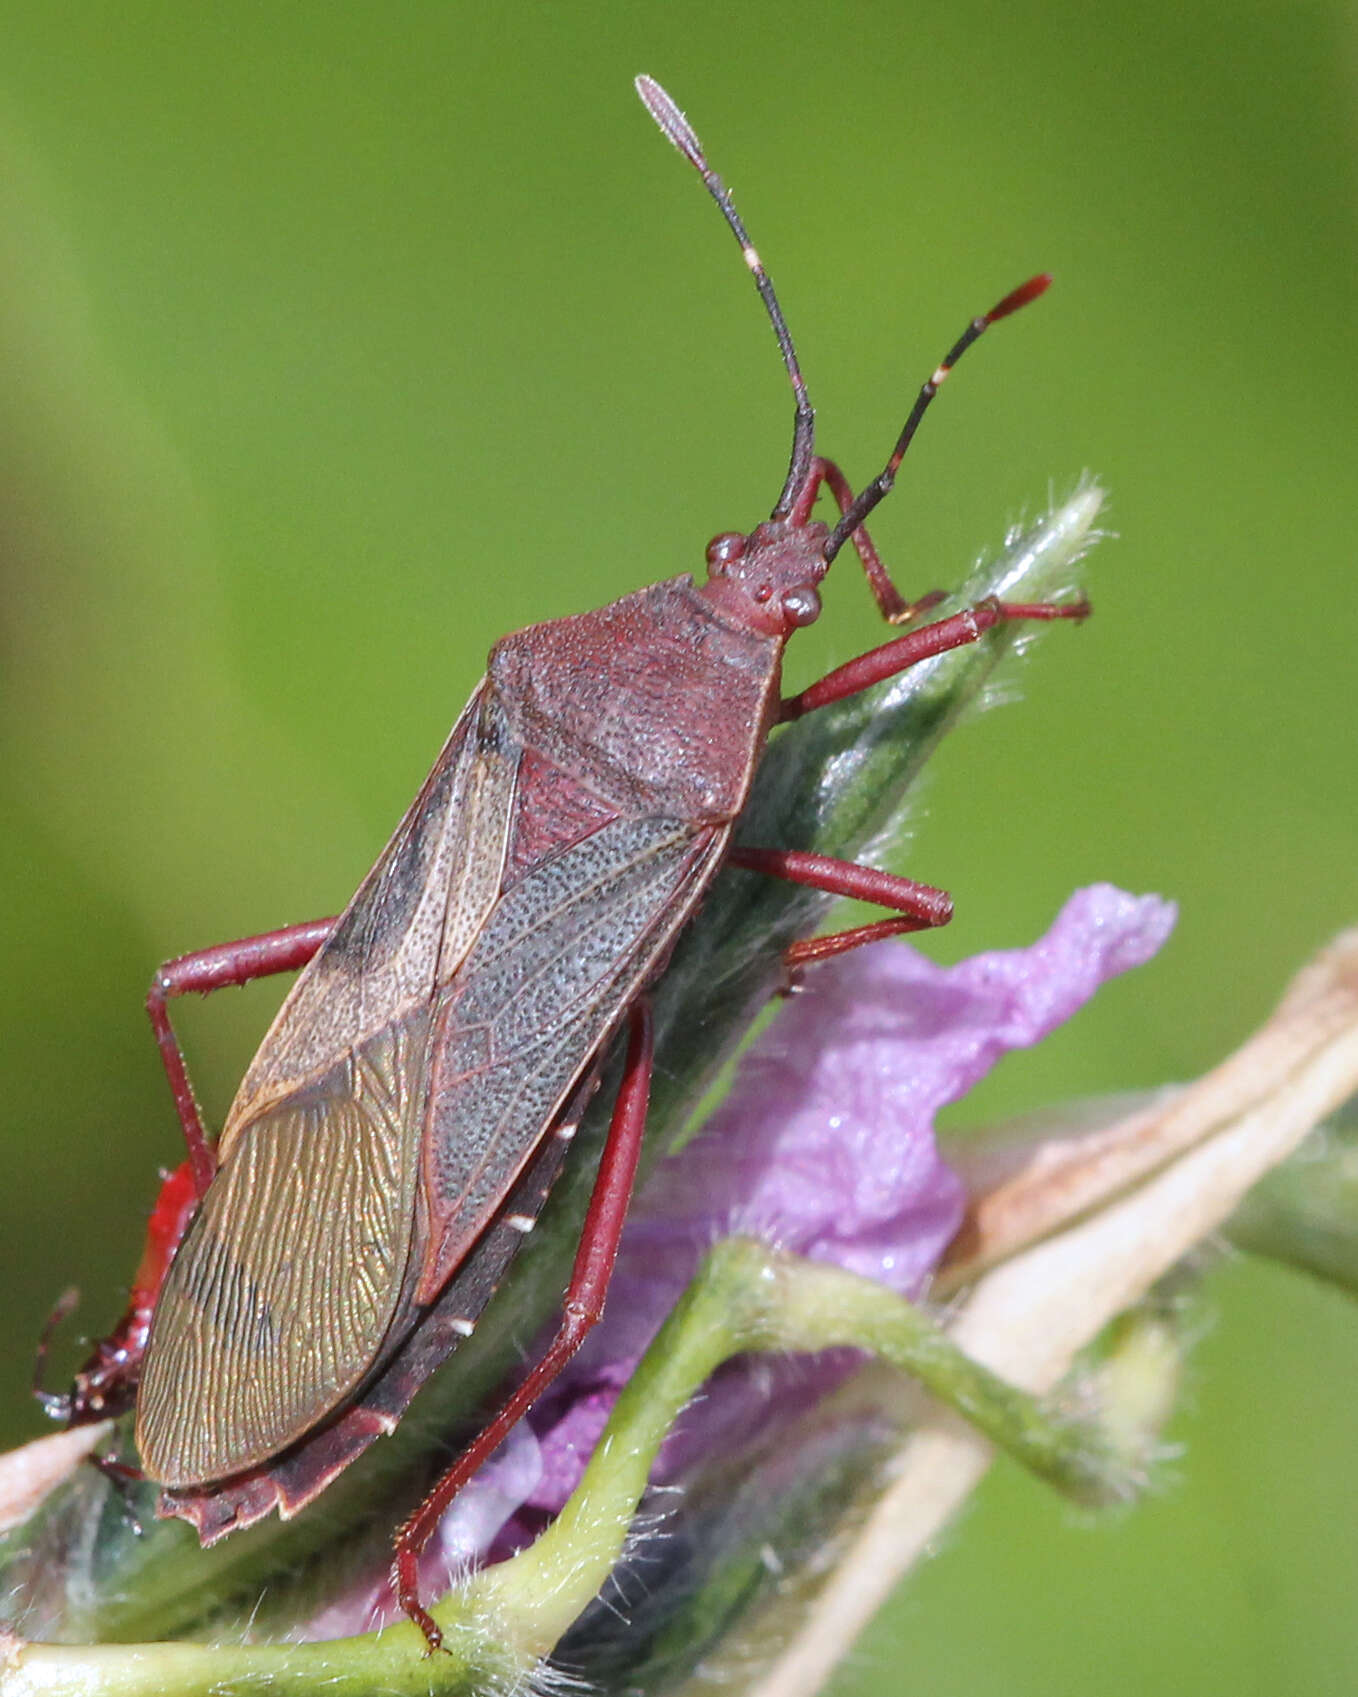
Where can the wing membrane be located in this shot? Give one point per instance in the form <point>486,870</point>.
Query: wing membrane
<point>281,1295</point>
<point>280,1298</point>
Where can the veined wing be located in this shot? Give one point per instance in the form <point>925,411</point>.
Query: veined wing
<point>287,1280</point>
<point>461,1030</point>
<point>412,921</point>
<point>282,1293</point>
<point>296,1477</point>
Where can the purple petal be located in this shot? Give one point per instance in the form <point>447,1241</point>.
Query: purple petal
<point>825,1144</point>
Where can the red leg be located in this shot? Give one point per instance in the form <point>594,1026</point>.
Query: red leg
<point>895,609</point>
<point>106,1383</point>
<point>213,969</point>
<point>923,644</point>
<point>584,1303</point>
<point>921,905</point>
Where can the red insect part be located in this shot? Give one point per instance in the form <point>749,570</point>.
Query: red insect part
<point>105,1386</point>
<point>398,1132</point>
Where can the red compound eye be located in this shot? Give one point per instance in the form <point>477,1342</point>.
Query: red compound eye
<point>802,606</point>
<point>721,550</point>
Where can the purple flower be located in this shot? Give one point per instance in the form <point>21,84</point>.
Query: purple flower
<point>824,1146</point>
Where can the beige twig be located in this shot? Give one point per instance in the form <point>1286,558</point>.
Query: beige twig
<point>30,1472</point>
<point>1028,1318</point>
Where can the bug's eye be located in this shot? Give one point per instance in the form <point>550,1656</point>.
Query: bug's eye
<point>721,550</point>
<point>802,606</point>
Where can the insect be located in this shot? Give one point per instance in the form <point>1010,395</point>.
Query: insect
<point>413,1101</point>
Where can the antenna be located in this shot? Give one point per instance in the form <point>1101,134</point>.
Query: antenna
<point>873,492</point>
<point>678,129</point>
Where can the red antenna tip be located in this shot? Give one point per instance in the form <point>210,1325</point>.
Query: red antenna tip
<point>1021,296</point>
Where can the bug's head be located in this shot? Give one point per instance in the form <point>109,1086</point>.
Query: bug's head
<point>769,579</point>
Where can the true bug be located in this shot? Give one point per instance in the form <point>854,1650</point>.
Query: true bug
<point>412,1102</point>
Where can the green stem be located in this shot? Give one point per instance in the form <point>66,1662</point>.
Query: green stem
<point>745,1297</point>
<point>344,1667</point>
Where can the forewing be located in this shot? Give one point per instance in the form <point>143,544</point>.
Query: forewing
<point>284,1288</point>
<point>547,980</point>
<point>281,1297</point>
<point>292,1480</point>
<point>410,924</point>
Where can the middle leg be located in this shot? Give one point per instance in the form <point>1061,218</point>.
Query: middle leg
<point>921,907</point>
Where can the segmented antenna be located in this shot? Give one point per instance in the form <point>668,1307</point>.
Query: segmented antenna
<point>872,493</point>
<point>678,129</point>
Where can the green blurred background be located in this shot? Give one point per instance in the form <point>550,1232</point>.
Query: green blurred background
<point>337,341</point>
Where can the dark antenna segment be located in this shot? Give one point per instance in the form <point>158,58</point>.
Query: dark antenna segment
<point>678,129</point>
<point>873,492</point>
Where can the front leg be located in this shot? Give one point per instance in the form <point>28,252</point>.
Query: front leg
<point>895,609</point>
<point>905,651</point>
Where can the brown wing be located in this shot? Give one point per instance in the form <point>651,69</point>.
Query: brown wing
<point>285,1285</point>
<point>279,1299</point>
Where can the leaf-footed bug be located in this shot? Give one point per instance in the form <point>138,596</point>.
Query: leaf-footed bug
<point>403,1121</point>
